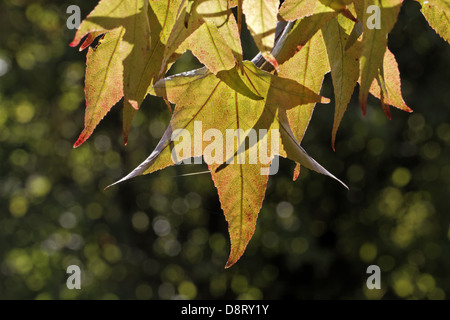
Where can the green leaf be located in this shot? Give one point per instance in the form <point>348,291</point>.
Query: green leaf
<point>226,24</point>
<point>161,16</point>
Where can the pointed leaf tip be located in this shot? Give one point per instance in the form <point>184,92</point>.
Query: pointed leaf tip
<point>76,145</point>
<point>363,105</point>
<point>81,139</point>
<point>229,263</point>
<point>74,43</point>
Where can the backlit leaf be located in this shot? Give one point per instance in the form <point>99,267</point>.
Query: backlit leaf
<point>374,42</point>
<point>308,67</point>
<point>261,19</point>
<point>303,30</point>
<point>344,65</point>
<point>204,102</point>
<point>104,81</point>
<point>296,9</point>
<point>391,78</point>
<point>437,13</point>
<point>130,51</point>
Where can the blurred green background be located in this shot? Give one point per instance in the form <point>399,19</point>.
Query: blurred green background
<point>163,236</point>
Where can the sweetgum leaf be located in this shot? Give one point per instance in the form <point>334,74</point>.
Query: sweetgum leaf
<point>261,19</point>
<point>216,43</point>
<point>308,67</point>
<point>131,48</point>
<point>161,16</point>
<point>303,30</point>
<point>295,9</point>
<point>136,52</point>
<point>222,17</point>
<point>344,65</point>
<point>106,16</point>
<point>210,48</point>
<point>374,42</point>
<point>192,15</point>
<point>392,84</point>
<point>104,81</point>
<point>204,103</point>
<point>437,13</point>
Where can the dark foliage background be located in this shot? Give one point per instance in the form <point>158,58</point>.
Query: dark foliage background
<point>164,236</point>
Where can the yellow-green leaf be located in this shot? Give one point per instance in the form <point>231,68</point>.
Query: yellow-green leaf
<point>295,9</point>
<point>261,19</point>
<point>135,51</point>
<point>308,67</point>
<point>204,103</point>
<point>225,22</point>
<point>374,43</point>
<point>210,48</point>
<point>104,81</point>
<point>391,79</point>
<point>131,51</point>
<point>344,65</point>
<point>107,15</point>
<point>437,13</point>
<point>161,17</point>
<point>303,30</point>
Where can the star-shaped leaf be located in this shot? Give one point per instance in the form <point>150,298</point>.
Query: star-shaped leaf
<point>236,135</point>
